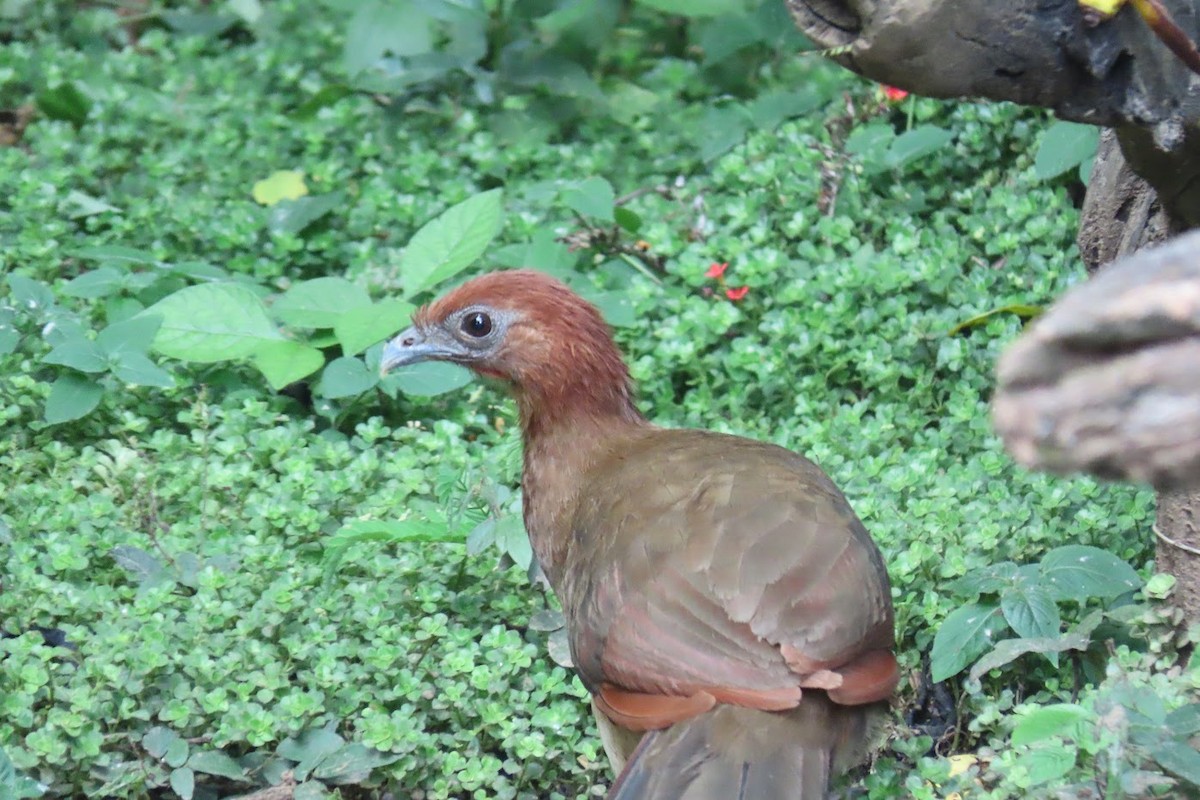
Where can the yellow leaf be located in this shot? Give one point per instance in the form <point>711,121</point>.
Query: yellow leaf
<point>282,185</point>
<point>961,763</point>
<point>1106,8</point>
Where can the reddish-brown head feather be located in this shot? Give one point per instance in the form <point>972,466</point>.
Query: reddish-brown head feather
<point>558,351</point>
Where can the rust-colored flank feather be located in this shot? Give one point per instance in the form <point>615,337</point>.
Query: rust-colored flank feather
<point>698,572</point>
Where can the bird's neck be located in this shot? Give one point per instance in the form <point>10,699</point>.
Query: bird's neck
<point>563,440</point>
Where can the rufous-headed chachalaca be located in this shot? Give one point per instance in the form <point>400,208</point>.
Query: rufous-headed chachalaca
<point>719,592</point>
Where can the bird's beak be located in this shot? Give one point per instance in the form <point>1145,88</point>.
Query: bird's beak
<point>412,346</point>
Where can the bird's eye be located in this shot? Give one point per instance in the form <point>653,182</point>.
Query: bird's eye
<point>477,324</point>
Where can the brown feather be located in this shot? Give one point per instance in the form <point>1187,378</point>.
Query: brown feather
<point>698,572</point>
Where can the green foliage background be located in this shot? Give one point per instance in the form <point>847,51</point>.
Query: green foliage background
<point>178,535</point>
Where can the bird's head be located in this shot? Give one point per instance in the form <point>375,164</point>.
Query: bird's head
<point>525,328</point>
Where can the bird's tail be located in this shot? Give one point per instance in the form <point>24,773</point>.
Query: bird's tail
<point>733,753</point>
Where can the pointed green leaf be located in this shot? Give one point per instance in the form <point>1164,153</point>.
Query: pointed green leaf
<point>451,242</point>
<point>64,102</point>
<point>966,633</point>
<point>116,254</point>
<point>212,322</point>
<point>129,336</point>
<point>78,353</point>
<point>158,739</point>
<point>30,296</point>
<point>1059,719</point>
<point>139,370</point>
<point>1030,609</point>
<point>293,216</point>
<point>1078,572</point>
<point>213,762</point>
<point>320,302</point>
<point>99,282</point>
<point>593,197</point>
<point>71,397</point>
<point>285,362</point>
<point>183,782</point>
<point>1048,761</point>
<point>1064,146</point>
<point>359,328</point>
<point>920,141</point>
<point>345,377</point>
<point>429,379</point>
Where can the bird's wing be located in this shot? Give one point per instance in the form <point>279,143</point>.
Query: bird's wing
<point>710,566</point>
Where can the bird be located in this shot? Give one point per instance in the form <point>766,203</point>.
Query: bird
<point>726,609</point>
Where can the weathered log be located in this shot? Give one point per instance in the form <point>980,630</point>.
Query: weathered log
<point>1117,73</point>
<point>1108,381</point>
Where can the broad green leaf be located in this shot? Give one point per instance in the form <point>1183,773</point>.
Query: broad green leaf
<point>429,379</point>
<point>28,295</point>
<point>695,8</point>
<point>198,23</point>
<point>1078,572</point>
<point>71,397</point>
<point>1064,146</point>
<point>1016,309</point>
<point>319,303</point>
<point>293,216</point>
<point>513,541</point>
<point>312,743</point>
<point>286,361</point>
<point>352,764</point>
<point>1179,758</point>
<point>918,142</point>
<point>1048,761</point>
<point>558,645</point>
<point>212,322</point>
<point>1030,610</point>
<point>481,536</point>
<point>985,580</point>
<point>627,219</point>
<point>359,328</point>
<point>183,782</point>
<point>10,337</point>
<point>871,142</point>
<point>99,282</point>
<point>64,102</point>
<point>772,108</point>
<point>1059,719</point>
<point>1008,650</point>
<point>177,751</point>
<point>451,242</point>
<point>404,530</point>
<point>139,370</point>
<point>310,790</point>
<point>15,786</point>
<point>79,205</point>
<point>548,619</point>
<point>593,197</point>
<point>724,128</point>
<point>379,27</point>
<point>617,308</point>
<point>129,336</point>
<point>114,253</point>
<point>145,568</point>
<point>284,184</point>
<point>345,377</point>
<point>1185,720</point>
<point>324,97</point>
<point>158,739</point>
<point>966,633</point>
<point>199,270</point>
<point>81,354</point>
<point>214,762</point>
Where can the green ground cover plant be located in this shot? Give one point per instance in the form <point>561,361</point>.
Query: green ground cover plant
<point>271,566</point>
